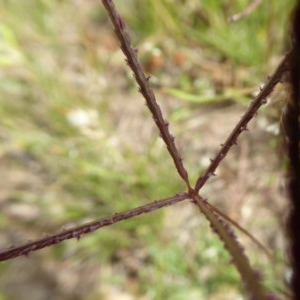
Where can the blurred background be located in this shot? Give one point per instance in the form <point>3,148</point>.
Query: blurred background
<point>78,144</point>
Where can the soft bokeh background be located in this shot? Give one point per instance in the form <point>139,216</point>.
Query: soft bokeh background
<point>78,144</point>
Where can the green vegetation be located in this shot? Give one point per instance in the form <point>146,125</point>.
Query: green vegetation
<point>76,131</point>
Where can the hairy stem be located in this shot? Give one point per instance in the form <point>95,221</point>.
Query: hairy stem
<point>236,251</point>
<point>144,87</point>
<point>242,124</point>
<point>243,230</point>
<point>79,231</point>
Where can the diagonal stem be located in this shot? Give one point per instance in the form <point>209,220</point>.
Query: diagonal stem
<point>243,230</point>
<point>144,87</point>
<point>247,11</point>
<point>79,231</point>
<point>242,124</point>
<point>232,245</point>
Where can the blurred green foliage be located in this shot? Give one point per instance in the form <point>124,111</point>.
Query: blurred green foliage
<point>250,41</point>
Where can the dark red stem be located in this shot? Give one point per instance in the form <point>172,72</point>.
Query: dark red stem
<point>79,231</point>
<point>242,124</point>
<point>144,87</point>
